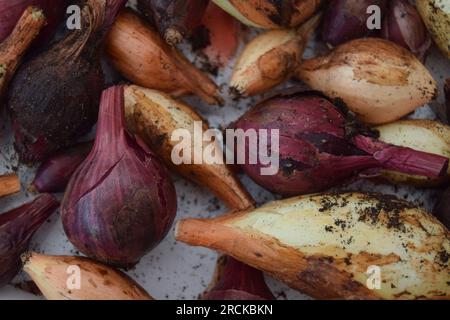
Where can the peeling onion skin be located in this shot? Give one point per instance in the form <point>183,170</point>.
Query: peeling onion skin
<point>17,227</point>
<point>97,281</point>
<point>270,14</point>
<point>321,147</point>
<point>404,26</point>
<point>120,203</point>
<point>378,80</point>
<point>53,99</point>
<point>346,20</point>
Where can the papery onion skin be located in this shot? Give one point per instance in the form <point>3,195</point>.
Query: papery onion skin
<point>11,10</point>
<point>9,184</point>
<point>378,80</point>
<point>234,280</point>
<point>319,148</point>
<point>17,227</point>
<point>148,61</point>
<point>54,174</point>
<point>270,14</point>
<point>53,99</point>
<point>97,281</point>
<point>175,19</point>
<point>346,20</point>
<point>404,26</point>
<point>120,203</point>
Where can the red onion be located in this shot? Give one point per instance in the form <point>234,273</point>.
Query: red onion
<point>16,230</point>
<point>53,99</point>
<point>54,174</point>
<point>11,10</point>
<point>120,202</point>
<point>235,280</point>
<point>320,146</point>
<point>346,20</point>
<point>404,26</point>
<point>174,18</point>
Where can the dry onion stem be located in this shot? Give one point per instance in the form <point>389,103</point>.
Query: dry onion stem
<point>15,46</point>
<point>9,184</point>
<point>138,52</point>
<point>377,79</point>
<point>154,116</point>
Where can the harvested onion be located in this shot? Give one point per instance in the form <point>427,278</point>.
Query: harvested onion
<point>377,79</point>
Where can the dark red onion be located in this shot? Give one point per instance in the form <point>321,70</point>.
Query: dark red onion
<point>17,227</point>
<point>120,203</point>
<point>174,19</point>
<point>346,20</point>
<point>53,99</point>
<point>235,280</point>
<point>319,147</point>
<point>404,26</point>
<point>54,174</point>
<point>11,10</point>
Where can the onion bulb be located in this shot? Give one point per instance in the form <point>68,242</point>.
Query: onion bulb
<point>120,203</point>
<point>377,79</point>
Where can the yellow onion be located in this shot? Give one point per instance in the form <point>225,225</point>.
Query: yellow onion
<point>377,79</point>
<point>154,116</point>
<point>9,184</point>
<point>270,59</point>
<point>328,245</point>
<point>270,14</point>
<point>77,278</point>
<point>142,56</point>
<point>421,135</point>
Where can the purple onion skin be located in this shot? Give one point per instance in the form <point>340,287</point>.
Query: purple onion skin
<point>11,10</point>
<point>345,20</point>
<point>53,98</point>
<point>320,149</point>
<point>238,281</point>
<point>120,203</point>
<point>404,26</point>
<point>16,230</point>
<point>54,174</point>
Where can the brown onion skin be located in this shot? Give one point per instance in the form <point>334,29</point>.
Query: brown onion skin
<point>404,26</point>
<point>320,147</point>
<point>120,203</point>
<point>54,174</point>
<point>345,20</point>
<point>54,11</point>
<point>53,98</point>
<point>17,227</point>
<point>238,281</point>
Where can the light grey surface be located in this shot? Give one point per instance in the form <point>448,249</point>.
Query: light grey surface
<point>174,270</point>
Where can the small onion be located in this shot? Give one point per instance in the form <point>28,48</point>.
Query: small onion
<point>347,20</point>
<point>404,26</point>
